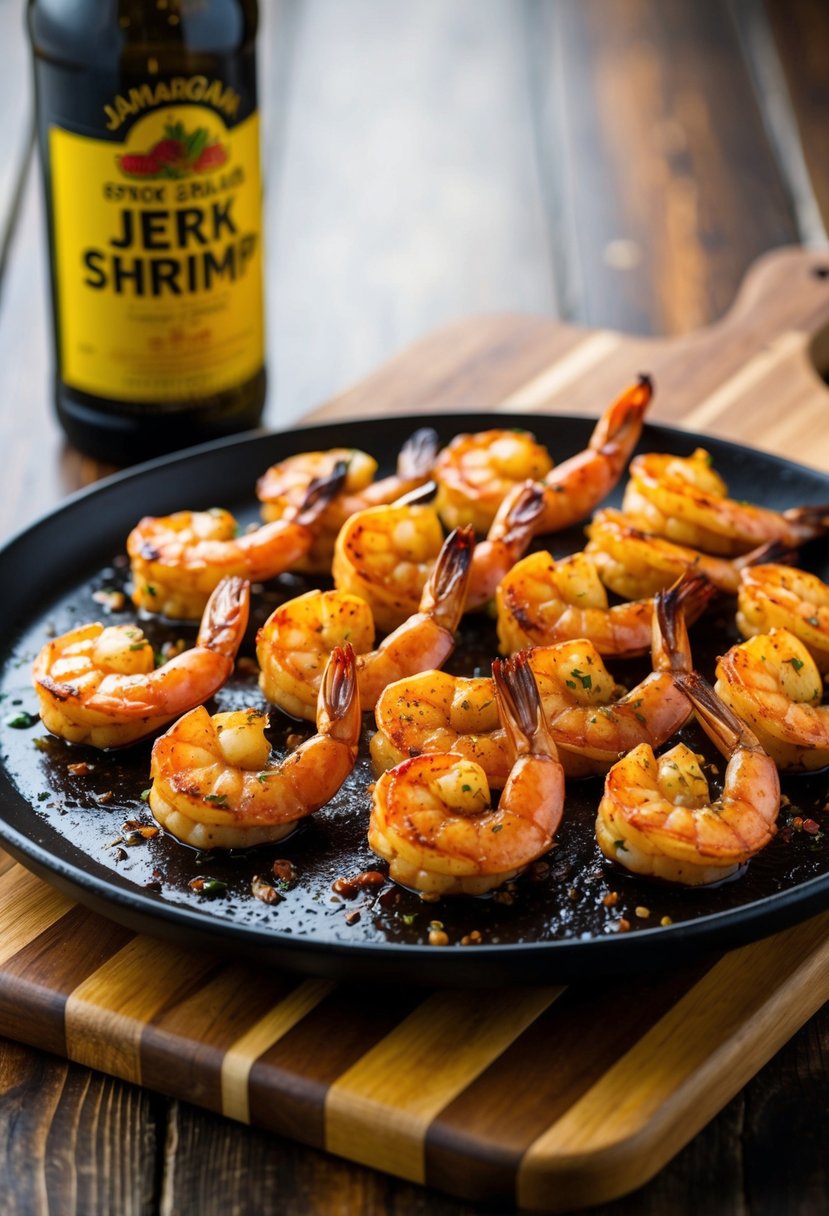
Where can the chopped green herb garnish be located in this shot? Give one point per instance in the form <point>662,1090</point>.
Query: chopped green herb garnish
<point>216,799</point>
<point>21,720</point>
<point>795,662</point>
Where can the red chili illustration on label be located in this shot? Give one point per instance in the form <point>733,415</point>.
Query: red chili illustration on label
<point>179,154</point>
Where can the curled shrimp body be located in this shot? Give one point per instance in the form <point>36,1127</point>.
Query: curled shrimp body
<point>215,784</point>
<point>773,684</point>
<point>99,684</point>
<point>636,564</point>
<point>386,554</point>
<point>657,817</point>
<point>543,600</point>
<point>431,816</point>
<point>684,500</point>
<point>593,720</point>
<point>282,488</point>
<point>476,471</point>
<point>777,597</point>
<point>178,559</point>
<point>294,642</point>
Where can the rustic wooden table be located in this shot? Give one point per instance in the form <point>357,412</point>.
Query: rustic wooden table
<point>613,162</point>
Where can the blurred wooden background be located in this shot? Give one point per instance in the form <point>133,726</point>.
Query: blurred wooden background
<point>613,162</point>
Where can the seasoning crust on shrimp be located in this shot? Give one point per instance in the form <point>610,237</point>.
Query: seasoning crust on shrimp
<point>178,559</point>
<point>215,784</point>
<point>593,720</point>
<point>475,472</point>
<point>99,684</point>
<point>657,817</point>
<point>292,644</point>
<point>432,818</point>
<point>636,564</point>
<point>386,554</point>
<point>543,601</point>
<point>683,499</point>
<point>773,683</point>
<point>777,597</point>
<point>282,488</point>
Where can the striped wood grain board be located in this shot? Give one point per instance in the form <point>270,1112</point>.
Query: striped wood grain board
<point>545,1097</point>
<point>550,1098</point>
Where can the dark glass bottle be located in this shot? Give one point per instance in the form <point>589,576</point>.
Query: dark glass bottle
<point>149,141</point>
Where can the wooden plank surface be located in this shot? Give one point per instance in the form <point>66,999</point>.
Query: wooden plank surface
<point>764,1153</point>
<point>428,1086</point>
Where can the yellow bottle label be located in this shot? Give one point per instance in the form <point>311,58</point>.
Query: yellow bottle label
<point>158,257</point>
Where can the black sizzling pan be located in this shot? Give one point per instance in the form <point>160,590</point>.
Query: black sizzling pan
<point>562,919</point>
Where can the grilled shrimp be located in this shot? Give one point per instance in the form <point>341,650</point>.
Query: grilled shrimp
<point>476,471</point>
<point>282,488</point>
<point>99,684</point>
<point>178,559</point>
<point>577,486</point>
<point>432,818</point>
<point>777,597</point>
<point>773,684</point>
<point>636,564</point>
<point>294,642</point>
<point>385,554</point>
<point>657,817</point>
<point>593,720</point>
<point>215,785</point>
<point>542,601</point>
<point>684,500</point>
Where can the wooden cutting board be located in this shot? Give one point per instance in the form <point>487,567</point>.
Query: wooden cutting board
<point>549,1098</point>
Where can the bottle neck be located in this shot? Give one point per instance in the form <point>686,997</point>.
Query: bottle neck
<point>105,33</point>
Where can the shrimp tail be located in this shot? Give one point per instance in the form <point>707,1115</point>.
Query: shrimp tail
<point>417,456</point>
<point>809,522</point>
<point>694,592</point>
<point>722,726</point>
<point>515,521</point>
<point>338,704</point>
<point>685,600</point>
<point>418,496</point>
<point>776,551</point>
<point>444,596</point>
<point>225,617</point>
<point>619,428</point>
<point>320,493</point>
<point>520,707</point>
